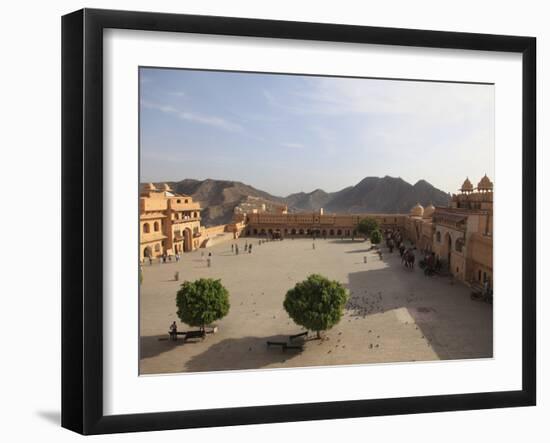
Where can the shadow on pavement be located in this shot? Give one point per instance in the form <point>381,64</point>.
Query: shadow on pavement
<point>241,353</point>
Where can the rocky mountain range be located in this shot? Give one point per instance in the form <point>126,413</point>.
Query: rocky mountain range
<point>372,194</point>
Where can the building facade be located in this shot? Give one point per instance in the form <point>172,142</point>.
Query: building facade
<point>461,235</point>
<point>169,223</point>
<point>313,223</point>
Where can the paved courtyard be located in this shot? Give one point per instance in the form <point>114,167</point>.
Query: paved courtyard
<point>394,314</point>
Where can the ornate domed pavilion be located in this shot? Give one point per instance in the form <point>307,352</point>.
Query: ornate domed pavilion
<point>485,185</point>
<point>467,186</point>
<point>429,211</point>
<point>417,210</point>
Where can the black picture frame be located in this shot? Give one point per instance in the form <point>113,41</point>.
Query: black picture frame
<point>82,218</point>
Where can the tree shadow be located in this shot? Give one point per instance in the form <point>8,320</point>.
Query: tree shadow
<point>151,346</point>
<point>358,251</point>
<point>241,353</point>
<point>346,241</point>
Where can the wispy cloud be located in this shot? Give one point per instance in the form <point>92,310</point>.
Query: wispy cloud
<point>293,145</point>
<point>328,96</point>
<point>209,120</point>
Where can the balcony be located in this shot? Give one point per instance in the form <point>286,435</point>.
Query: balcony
<point>185,220</point>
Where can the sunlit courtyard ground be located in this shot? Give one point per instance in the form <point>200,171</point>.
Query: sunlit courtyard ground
<point>394,314</point>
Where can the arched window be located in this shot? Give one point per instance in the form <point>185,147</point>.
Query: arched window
<point>156,226</point>
<point>339,232</point>
<point>146,228</point>
<point>438,236</point>
<point>459,244</point>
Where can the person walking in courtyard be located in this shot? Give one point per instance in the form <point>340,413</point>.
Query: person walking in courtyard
<point>173,331</point>
<point>209,259</point>
<point>250,248</point>
<point>313,245</point>
<point>150,261</point>
<point>236,249</point>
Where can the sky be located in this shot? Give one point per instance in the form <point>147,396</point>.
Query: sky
<point>290,133</point>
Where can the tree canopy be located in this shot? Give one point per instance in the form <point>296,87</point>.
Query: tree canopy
<point>202,301</point>
<point>367,225</point>
<point>316,303</point>
<point>375,237</point>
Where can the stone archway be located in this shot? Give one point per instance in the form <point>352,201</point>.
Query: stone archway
<point>187,240</point>
<point>447,248</point>
<point>148,252</point>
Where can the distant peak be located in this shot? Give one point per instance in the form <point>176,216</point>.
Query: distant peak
<point>422,182</point>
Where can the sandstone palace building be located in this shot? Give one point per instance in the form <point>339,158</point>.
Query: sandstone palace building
<point>460,235</point>
<point>168,222</point>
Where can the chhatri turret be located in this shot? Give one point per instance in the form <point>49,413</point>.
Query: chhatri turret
<point>467,186</point>
<point>485,185</point>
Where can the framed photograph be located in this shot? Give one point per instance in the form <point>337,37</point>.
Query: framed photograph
<point>269,221</point>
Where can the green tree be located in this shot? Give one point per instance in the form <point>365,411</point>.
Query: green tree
<point>202,301</point>
<point>367,225</point>
<point>375,237</point>
<point>316,303</point>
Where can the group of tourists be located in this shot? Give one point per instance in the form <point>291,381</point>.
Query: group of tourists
<point>394,238</point>
<point>247,248</point>
<point>164,258</point>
